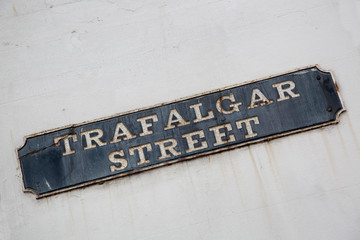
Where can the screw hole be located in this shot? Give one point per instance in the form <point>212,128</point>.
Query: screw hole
<point>329,109</point>
<point>318,77</point>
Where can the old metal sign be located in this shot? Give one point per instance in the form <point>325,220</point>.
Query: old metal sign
<point>82,154</point>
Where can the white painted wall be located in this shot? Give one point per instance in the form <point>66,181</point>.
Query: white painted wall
<point>64,62</point>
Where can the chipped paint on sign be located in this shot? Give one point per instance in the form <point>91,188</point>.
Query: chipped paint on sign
<point>62,159</point>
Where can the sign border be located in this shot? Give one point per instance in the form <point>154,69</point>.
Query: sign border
<point>26,190</point>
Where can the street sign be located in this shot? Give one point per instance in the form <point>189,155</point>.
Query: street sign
<point>78,155</point>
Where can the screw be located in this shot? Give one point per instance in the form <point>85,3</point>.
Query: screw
<point>318,77</point>
<point>329,109</point>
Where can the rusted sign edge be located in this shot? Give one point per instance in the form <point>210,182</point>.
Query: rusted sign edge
<point>28,190</point>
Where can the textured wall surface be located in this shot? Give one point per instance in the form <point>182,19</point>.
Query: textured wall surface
<point>65,62</point>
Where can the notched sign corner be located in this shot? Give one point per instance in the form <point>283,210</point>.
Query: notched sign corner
<point>92,152</point>
<point>28,190</point>
<point>328,83</point>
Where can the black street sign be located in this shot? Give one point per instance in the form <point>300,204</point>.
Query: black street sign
<point>82,154</point>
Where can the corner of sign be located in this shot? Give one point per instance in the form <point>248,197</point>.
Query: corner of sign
<point>29,190</point>
<point>342,109</point>
<point>23,145</point>
<point>317,67</point>
<point>338,113</point>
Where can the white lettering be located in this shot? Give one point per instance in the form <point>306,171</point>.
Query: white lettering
<point>198,114</point>
<point>178,119</point>
<point>258,96</point>
<point>124,132</point>
<point>234,107</point>
<point>140,150</point>
<point>219,135</point>
<point>145,125</point>
<point>67,146</point>
<point>191,142</point>
<point>89,139</point>
<point>282,91</point>
<point>123,162</point>
<point>250,132</point>
<point>169,148</point>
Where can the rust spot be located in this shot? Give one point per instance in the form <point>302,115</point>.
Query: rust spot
<point>110,203</point>
<point>353,132</point>
<point>273,166</point>
<point>258,174</point>
<point>329,153</point>
<point>237,181</point>
<point>270,154</point>
<point>261,186</point>
<point>36,151</point>
<point>14,9</point>
<point>71,131</point>
<point>343,143</point>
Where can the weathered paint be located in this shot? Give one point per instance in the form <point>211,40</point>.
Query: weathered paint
<point>219,120</point>
<point>70,61</point>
